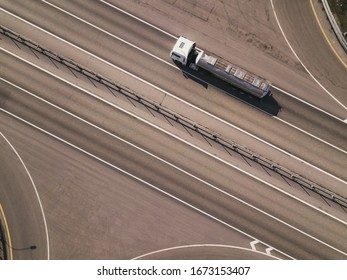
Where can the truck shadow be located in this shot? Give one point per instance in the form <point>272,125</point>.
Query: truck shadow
<point>205,79</point>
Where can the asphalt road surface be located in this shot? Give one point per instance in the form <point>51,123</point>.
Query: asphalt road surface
<point>91,174</point>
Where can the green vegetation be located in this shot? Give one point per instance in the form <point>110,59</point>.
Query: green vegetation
<point>339,9</point>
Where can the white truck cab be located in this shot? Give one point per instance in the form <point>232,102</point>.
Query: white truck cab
<point>184,52</point>
<point>181,50</point>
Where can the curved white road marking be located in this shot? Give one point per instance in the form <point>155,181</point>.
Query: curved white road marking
<point>173,96</point>
<point>302,64</point>
<point>34,186</point>
<point>166,193</point>
<point>325,35</point>
<point>160,129</point>
<point>172,165</point>
<point>203,245</point>
<point>175,37</point>
<point>174,66</point>
<point>168,133</point>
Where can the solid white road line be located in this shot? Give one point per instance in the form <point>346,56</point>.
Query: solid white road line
<point>77,47</point>
<point>203,245</point>
<point>106,32</point>
<point>151,185</point>
<point>175,37</point>
<point>170,134</point>
<point>308,104</point>
<point>174,66</point>
<point>179,99</point>
<point>139,19</point>
<point>183,171</point>
<point>35,189</point>
<point>302,64</point>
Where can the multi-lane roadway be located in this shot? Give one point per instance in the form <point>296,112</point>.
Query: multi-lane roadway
<point>91,174</point>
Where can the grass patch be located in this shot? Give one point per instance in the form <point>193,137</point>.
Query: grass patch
<point>339,9</point>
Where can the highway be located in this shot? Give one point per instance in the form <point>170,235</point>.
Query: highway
<point>118,181</point>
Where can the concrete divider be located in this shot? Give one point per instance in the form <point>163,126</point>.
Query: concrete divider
<point>208,134</point>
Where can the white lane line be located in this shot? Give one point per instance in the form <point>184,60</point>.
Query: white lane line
<point>149,184</point>
<point>106,62</point>
<point>313,136</point>
<point>172,135</point>
<point>139,19</point>
<point>202,245</point>
<point>106,32</point>
<point>174,66</point>
<point>308,104</point>
<point>180,169</point>
<point>34,186</point>
<point>150,154</point>
<point>302,64</point>
<point>175,37</point>
<point>181,100</point>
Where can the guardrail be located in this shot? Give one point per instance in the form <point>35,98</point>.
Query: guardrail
<point>205,132</point>
<point>334,25</point>
<point>3,248</point>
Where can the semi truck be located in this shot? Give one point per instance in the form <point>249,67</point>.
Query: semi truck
<point>186,53</point>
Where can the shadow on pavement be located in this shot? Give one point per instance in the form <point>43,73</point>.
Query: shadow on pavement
<point>205,78</point>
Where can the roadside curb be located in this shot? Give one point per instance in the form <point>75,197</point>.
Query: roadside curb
<point>327,30</point>
<point>3,247</point>
<point>334,25</point>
